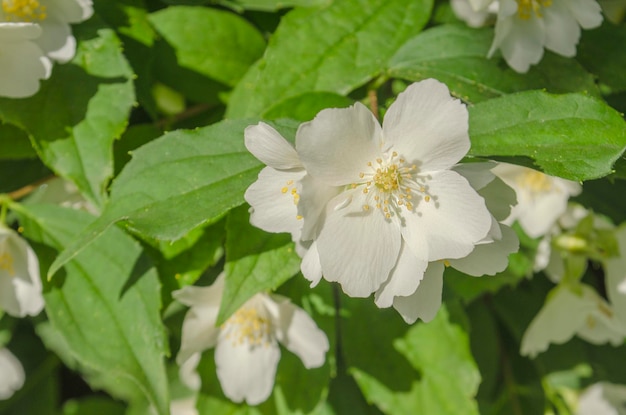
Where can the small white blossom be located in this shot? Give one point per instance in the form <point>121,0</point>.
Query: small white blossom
<point>246,345</point>
<point>474,18</point>
<point>602,398</point>
<point>54,18</point>
<point>20,283</point>
<point>570,311</point>
<point>22,62</point>
<point>541,199</point>
<point>11,374</point>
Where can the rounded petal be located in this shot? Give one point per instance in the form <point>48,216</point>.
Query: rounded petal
<point>315,196</point>
<point>358,249</point>
<point>338,143</point>
<point>22,62</point>
<point>11,374</point>
<point>473,17</point>
<point>451,223</point>
<point>56,40</point>
<point>246,372</point>
<point>274,200</point>
<point>562,30</point>
<point>20,282</point>
<point>403,279</point>
<point>489,259</point>
<point>428,127</point>
<point>311,267</point>
<point>266,144</point>
<point>426,300</point>
<point>188,374</point>
<point>185,406</point>
<point>478,175</point>
<point>70,11</point>
<point>588,13</point>
<point>297,331</point>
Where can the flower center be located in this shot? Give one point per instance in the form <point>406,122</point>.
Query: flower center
<point>526,8</point>
<point>247,325</point>
<point>535,181</point>
<point>6,263</point>
<point>23,10</point>
<point>290,189</point>
<point>390,184</point>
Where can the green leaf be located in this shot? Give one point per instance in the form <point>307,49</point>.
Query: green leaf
<point>449,378</point>
<point>14,143</point>
<point>457,55</point>
<point>93,405</point>
<point>338,47</point>
<point>79,112</point>
<point>601,51</point>
<point>255,261</point>
<point>305,107</point>
<point>211,42</point>
<point>201,174</point>
<point>270,5</point>
<point>572,136</point>
<point>91,306</point>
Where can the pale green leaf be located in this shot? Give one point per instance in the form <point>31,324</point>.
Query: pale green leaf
<point>572,136</point>
<point>338,48</point>
<point>91,305</point>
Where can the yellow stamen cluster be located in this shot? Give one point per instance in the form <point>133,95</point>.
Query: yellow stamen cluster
<point>390,184</point>
<point>23,10</point>
<point>248,326</point>
<point>290,189</point>
<point>6,263</point>
<point>536,181</point>
<point>526,8</point>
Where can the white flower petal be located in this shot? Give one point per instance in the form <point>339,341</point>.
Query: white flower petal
<point>489,259</point>
<point>358,249</point>
<point>403,279</point>
<point>426,300</point>
<point>315,196</point>
<point>273,201</point>
<point>11,374</point>
<point>311,267</point>
<point>615,274</point>
<point>246,372</point>
<point>587,12</point>
<point>602,399</point>
<point>266,144</point>
<point>57,40</point>
<point>478,175</point>
<point>297,331</point>
<point>562,30</point>
<point>427,127</point>
<point>22,62</point>
<point>449,225</point>
<point>337,144</point>
<point>188,374</point>
<point>474,18</point>
<point>185,406</point>
<point>72,11</point>
<point>19,276</point>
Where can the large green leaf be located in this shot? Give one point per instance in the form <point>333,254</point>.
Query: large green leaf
<point>214,43</point>
<point>449,378</point>
<point>572,136</point>
<point>105,308</point>
<point>335,48</point>
<point>255,261</point>
<point>79,112</point>
<point>457,55</point>
<point>176,183</point>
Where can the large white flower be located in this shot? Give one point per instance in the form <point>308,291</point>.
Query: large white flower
<point>246,345</point>
<point>11,374</point>
<point>22,62</point>
<point>541,199</point>
<point>487,258</point>
<point>399,204</point>
<point>20,283</point>
<point>54,17</point>
<point>570,311</point>
<point>525,27</point>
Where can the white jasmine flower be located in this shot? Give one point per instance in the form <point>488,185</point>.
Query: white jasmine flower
<point>570,311</point>
<point>20,283</point>
<point>602,398</point>
<point>488,258</point>
<point>525,27</point>
<point>541,199</point>
<point>11,374</point>
<point>246,345</point>
<point>22,62</point>
<point>54,17</point>
<point>399,205</point>
<point>474,18</point>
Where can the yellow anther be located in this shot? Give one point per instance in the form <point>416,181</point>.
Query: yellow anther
<point>427,198</point>
<point>379,160</point>
<point>366,207</point>
<point>23,10</point>
<point>289,182</point>
<point>446,263</point>
<point>527,8</point>
<point>284,190</point>
<point>361,175</point>
<point>365,190</point>
<point>394,154</point>
<point>299,217</point>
